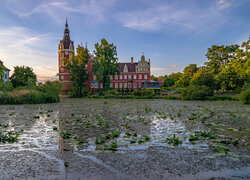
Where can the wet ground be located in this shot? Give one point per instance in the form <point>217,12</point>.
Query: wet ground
<point>125,139</point>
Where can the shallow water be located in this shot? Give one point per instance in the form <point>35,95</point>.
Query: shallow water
<point>38,140</point>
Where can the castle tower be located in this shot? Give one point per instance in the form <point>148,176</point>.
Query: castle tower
<point>65,50</point>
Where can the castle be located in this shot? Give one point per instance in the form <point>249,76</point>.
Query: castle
<point>133,75</point>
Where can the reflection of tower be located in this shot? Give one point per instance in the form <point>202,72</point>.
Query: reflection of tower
<point>65,51</point>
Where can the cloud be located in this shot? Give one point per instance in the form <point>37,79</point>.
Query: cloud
<point>22,46</point>
<point>57,9</point>
<point>162,71</point>
<point>45,72</point>
<point>223,4</point>
<point>175,17</point>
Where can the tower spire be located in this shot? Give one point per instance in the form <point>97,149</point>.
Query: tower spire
<point>66,25</point>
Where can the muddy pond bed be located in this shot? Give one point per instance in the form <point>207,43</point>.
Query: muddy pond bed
<point>125,139</point>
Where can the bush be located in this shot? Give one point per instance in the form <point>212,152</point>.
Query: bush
<point>144,92</point>
<point>220,98</point>
<point>194,92</point>
<point>245,94</point>
<point>27,97</point>
<point>6,86</point>
<point>111,92</point>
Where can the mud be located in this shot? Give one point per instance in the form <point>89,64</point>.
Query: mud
<point>126,139</point>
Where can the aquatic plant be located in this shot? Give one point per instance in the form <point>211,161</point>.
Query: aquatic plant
<point>10,136</point>
<point>174,140</point>
<point>116,134</point>
<point>65,134</point>
<point>141,141</point>
<point>54,128</point>
<point>146,138</point>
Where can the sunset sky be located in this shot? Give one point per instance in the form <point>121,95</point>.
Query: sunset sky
<point>172,33</point>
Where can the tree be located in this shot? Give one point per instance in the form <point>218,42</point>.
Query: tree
<point>153,78</point>
<point>1,73</point>
<point>204,77</point>
<point>23,76</point>
<point>78,72</point>
<point>106,62</point>
<point>220,55</point>
<point>171,79</point>
<point>190,70</point>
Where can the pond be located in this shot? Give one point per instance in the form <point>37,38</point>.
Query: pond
<point>143,139</point>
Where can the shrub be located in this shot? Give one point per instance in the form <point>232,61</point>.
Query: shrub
<point>111,92</point>
<point>144,92</point>
<point>6,86</point>
<point>194,92</point>
<point>245,94</point>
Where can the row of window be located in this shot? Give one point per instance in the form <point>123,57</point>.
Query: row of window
<point>126,77</point>
<point>117,85</point>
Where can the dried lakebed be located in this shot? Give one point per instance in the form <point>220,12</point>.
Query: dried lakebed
<point>125,139</point>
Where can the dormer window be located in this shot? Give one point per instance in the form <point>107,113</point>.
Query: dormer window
<point>125,68</point>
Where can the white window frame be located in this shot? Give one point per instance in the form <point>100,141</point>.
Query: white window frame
<point>116,77</point>
<point>125,77</point>
<point>134,76</point>
<point>111,77</point>
<point>129,85</point>
<point>121,85</point>
<point>116,85</point>
<point>121,77</point>
<point>129,77</point>
<point>134,85</point>
<point>111,85</point>
<point>125,85</point>
<point>94,77</point>
<point>145,76</point>
<point>140,76</point>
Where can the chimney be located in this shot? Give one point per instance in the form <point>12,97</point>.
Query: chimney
<point>132,60</point>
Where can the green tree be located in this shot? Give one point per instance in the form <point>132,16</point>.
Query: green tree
<point>106,62</point>
<point>170,80</point>
<point>1,73</point>
<point>190,70</point>
<point>184,81</point>
<point>78,72</point>
<point>220,55</point>
<point>204,77</point>
<point>23,76</point>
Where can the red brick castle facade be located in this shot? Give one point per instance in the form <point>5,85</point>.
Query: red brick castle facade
<point>133,75</point>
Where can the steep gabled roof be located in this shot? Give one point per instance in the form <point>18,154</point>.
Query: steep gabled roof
<point>131,67</point>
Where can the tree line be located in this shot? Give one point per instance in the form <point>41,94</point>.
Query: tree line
<point>227,70</point>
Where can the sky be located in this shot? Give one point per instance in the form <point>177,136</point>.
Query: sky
<point>172,33</point>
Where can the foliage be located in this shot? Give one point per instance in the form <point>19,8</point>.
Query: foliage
<point>219,56</point>
<point>10,136</point>
<point>184,81</point>
<point>171,79</point>
<point>78,72</point>
<point>23,76</point>
<point>111,92</point>
<point>6,86</point>
<point>106,62</point>
<point>195,92</point>
<point>203,77</point>
<point>245,94</point>
<point>144,92</point>
<point>190,70</point>
<point>1,73</point>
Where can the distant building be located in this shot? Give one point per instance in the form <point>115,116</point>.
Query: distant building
<point>6,72</point>
<point>133,75</point>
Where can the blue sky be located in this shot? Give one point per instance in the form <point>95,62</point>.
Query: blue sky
<point>172,33</point>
